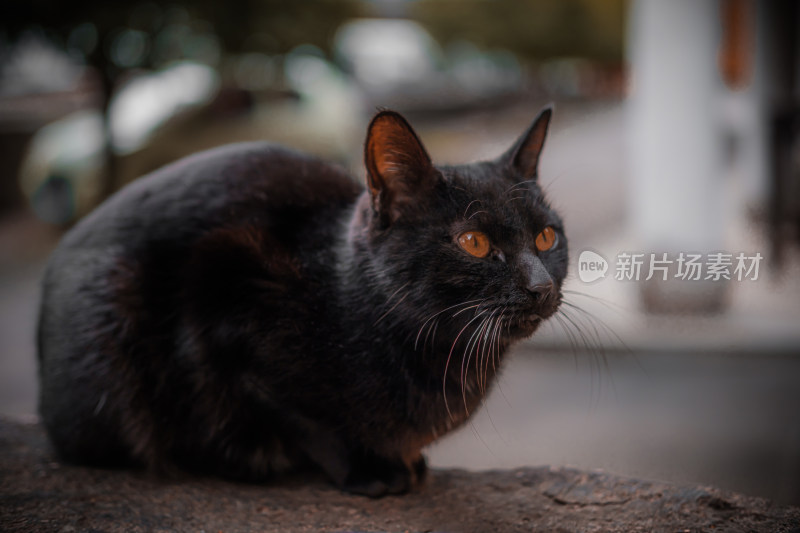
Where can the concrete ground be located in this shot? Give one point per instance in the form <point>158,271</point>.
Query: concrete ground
<point>39,494</point>
<point>699,400</point>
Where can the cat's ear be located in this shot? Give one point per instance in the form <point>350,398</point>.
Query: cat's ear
<point>398,167</point>
<point>524,155</point>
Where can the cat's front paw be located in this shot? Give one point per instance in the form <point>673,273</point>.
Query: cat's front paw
<point>420,469</point>
<point>377,476</point>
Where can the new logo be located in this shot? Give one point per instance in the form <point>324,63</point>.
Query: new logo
<point>591,266</point>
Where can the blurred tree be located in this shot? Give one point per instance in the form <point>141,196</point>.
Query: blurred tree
<point>535,29</point>
<point>115,37</point>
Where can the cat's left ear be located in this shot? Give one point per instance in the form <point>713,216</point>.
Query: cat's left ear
<point>524,155</point>
<point>399,170</point>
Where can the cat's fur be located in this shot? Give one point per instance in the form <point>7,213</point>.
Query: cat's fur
<point>250,309</point>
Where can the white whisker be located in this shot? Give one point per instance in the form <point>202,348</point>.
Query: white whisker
<point>434,315</point>
<point>450,355</point>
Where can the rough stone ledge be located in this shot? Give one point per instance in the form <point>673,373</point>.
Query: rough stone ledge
<point>38,494</point>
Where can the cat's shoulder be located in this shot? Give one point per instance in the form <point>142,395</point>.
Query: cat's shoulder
<point>248,164</point>
<point>261,172</point>
<point>213,185</point>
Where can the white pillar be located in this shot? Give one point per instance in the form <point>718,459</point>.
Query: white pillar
<point>678,188</point>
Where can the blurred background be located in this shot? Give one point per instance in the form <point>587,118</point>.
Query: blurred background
<point>676,131</point>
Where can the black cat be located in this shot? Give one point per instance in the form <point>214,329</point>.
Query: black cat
<point>251,309</point>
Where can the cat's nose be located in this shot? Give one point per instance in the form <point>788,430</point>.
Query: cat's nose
<point>541,292</point>
<point>536,281</point>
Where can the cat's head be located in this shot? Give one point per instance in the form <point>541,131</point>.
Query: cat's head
<point>463,246</point>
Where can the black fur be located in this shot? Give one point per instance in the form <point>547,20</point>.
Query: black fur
<point>251,309</point>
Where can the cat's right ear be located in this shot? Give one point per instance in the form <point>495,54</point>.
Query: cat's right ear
<point>399,169</point>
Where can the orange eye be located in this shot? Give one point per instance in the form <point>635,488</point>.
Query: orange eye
<point>546,239</point>
<point>474,243</point>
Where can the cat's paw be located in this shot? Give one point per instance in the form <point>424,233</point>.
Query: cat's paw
<point>420,469</point>
<point>378,477</point>
<point>377,488</point>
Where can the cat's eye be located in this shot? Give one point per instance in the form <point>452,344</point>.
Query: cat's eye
<point>474,243</point>
<point>546,239</point>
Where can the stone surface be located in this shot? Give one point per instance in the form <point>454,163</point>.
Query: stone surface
<point>39,494</point>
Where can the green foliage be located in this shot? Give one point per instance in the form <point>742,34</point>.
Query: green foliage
<point>272,26</point>
<point>535,29</point>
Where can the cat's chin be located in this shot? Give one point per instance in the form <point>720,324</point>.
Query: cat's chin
<point>524,327</point>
